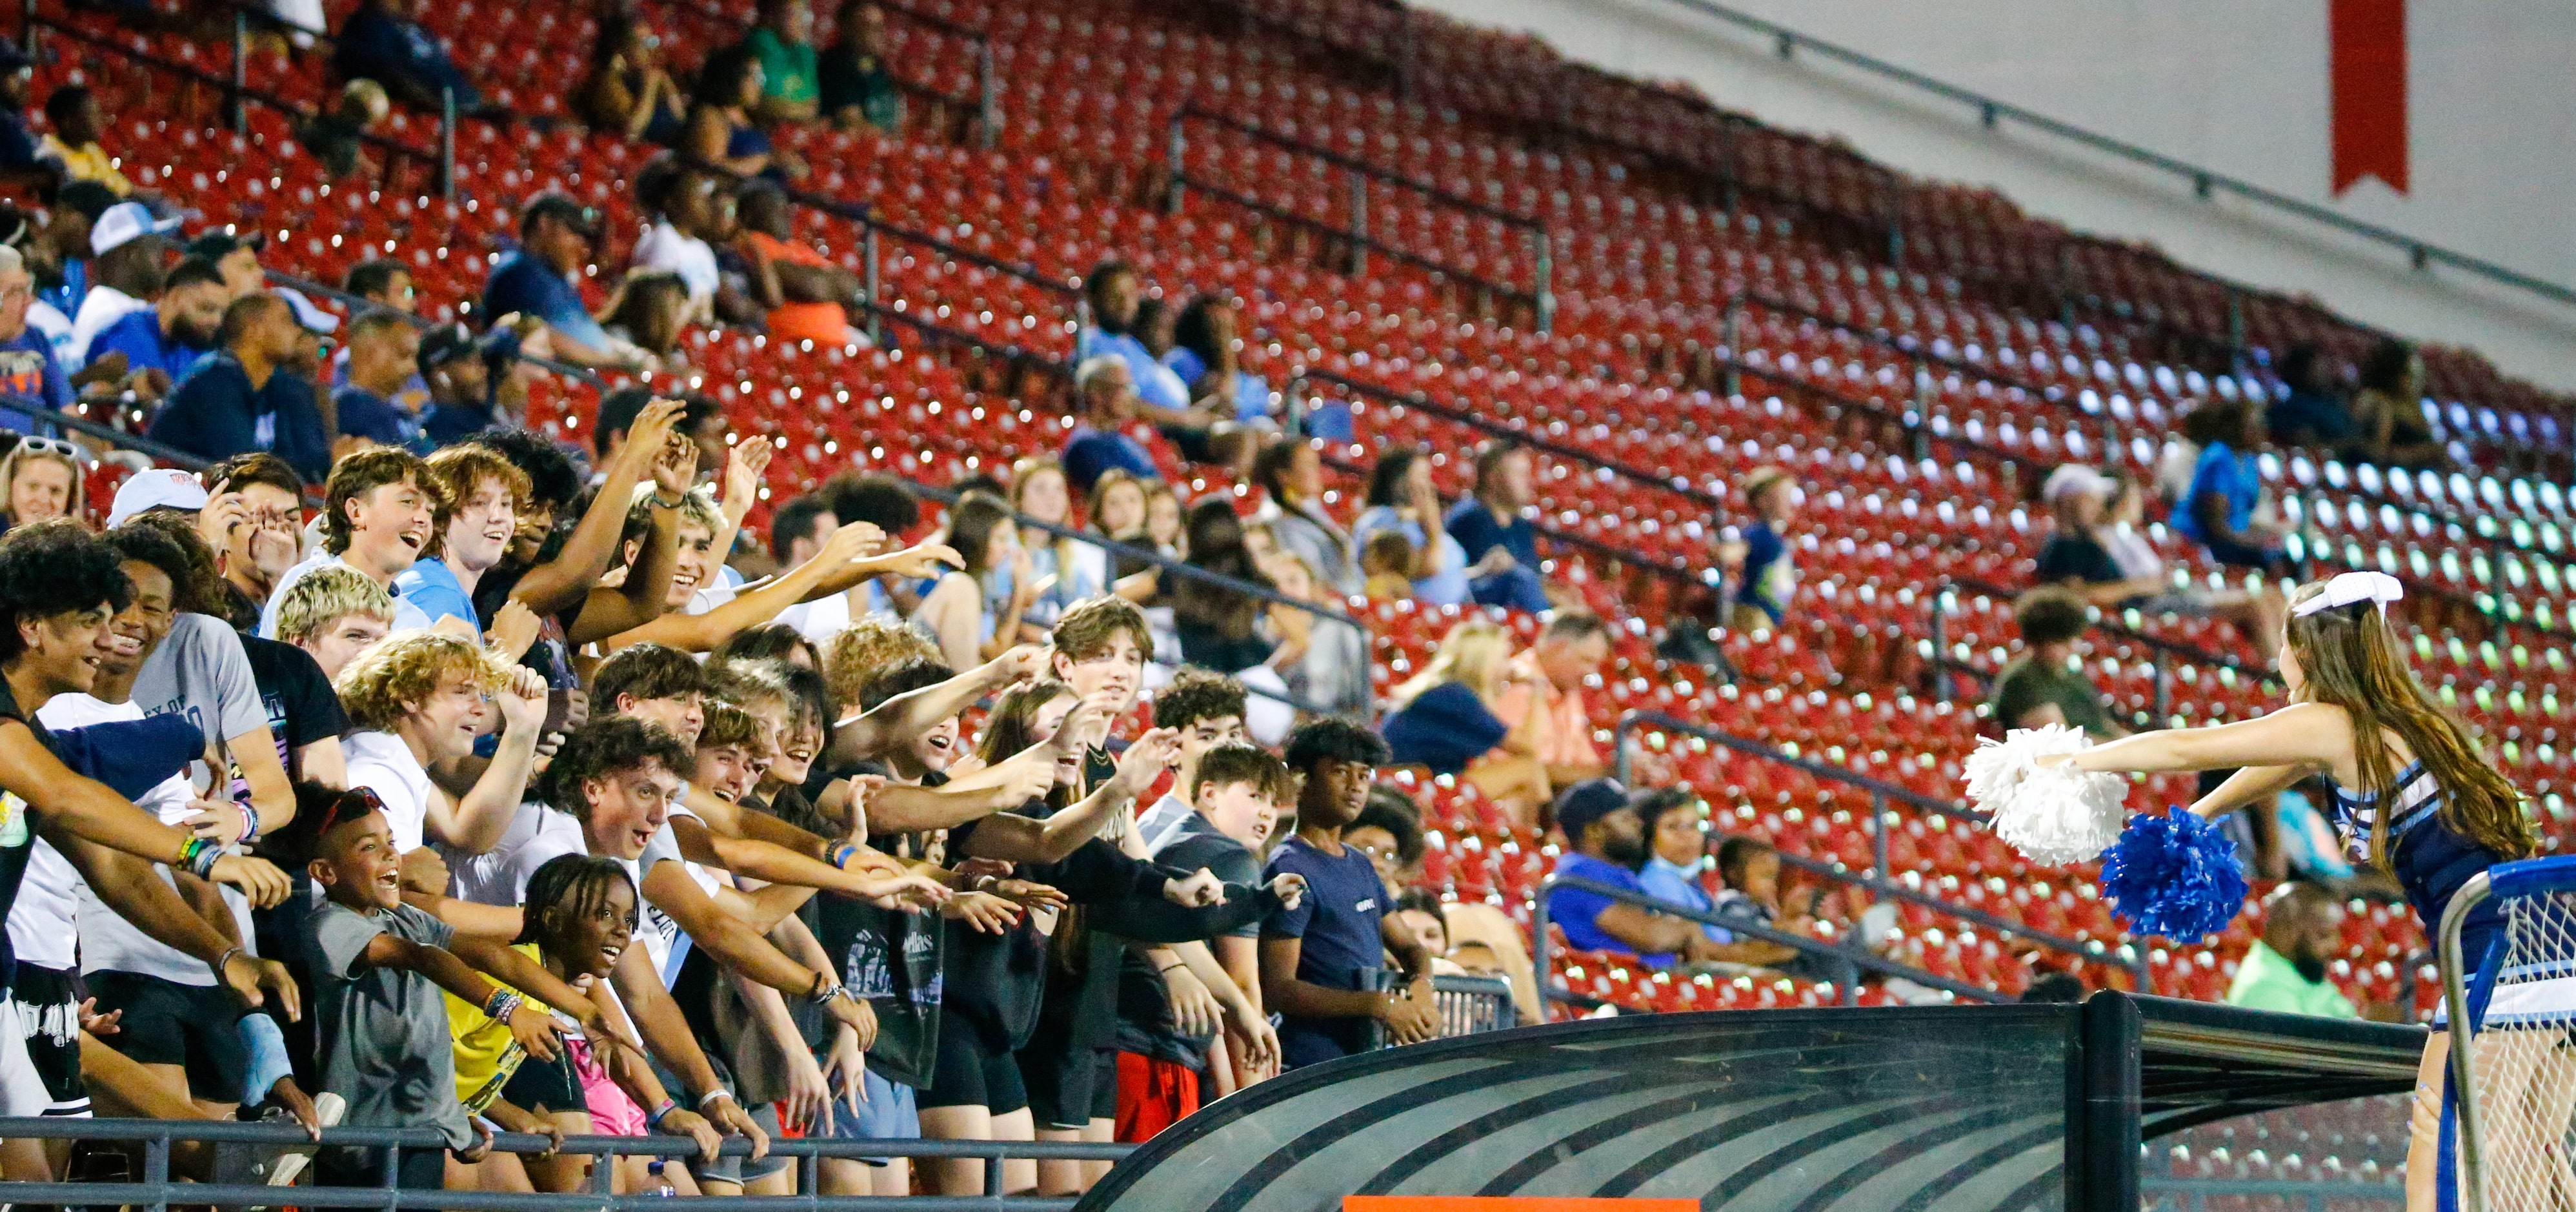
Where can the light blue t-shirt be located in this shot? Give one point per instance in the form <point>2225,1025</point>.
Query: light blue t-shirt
<point>407,615</point>
<point>1679,885</point>
<point>431,586</point>
<point>1155,382</point>
<point>1447,585</point>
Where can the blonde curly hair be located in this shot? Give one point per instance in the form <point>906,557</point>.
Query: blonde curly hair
<point>392,678</point>
<point>869,647</point>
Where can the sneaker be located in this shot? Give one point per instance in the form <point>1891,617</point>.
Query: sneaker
<point>275,1165</point>
<point>290,1161</point>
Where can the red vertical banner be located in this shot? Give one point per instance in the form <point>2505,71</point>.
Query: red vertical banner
<point>2366,44</point>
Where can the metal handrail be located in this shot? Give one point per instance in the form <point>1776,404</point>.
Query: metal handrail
<point>1541,296</point>
<point>1163,563</point>
<point>157,1192</point>
<point>234,89</point>
<point>987,98</point>
<point>1991,111</point>
<point>1881,876</point>
<point>1534,441</point>
<point>1851,960</point>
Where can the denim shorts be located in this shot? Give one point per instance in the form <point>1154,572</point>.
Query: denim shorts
<point>890,1112</point>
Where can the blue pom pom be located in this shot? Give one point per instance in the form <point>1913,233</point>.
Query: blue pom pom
<point>2174,874</point>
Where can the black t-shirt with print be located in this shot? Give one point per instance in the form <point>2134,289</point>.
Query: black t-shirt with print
<point>302,707</point>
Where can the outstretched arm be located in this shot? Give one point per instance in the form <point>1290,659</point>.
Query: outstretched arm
<point>2305,735</point>
<point>2252,785</point>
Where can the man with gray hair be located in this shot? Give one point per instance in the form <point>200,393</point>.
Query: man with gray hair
<point>28,377</point>
<point>1107,435</point>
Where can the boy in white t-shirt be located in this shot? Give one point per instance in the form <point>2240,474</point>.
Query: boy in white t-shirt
<point>422,698</point>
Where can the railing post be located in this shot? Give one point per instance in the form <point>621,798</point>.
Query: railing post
<point>1173,146</point>
<point>2164,690</point>
<point>1940,646</point>
<point>871,281</point>
<point>156,1164</point>
<point>1896,224</point>
<point>1878,831</point>
<point>1359,224</point>
<point>1543,295</point>
<point>1733,331</point>
<point>988,95</point>
<point>447,143</point>
<point>1849,987</point>
<point>28,37</point>
<point>1619,762</point>
<point>1917,430</point>
<point>240,115</point>
<point>2235,327</point>
<point>993,1175</point>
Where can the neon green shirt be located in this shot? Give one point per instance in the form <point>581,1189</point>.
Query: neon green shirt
<point>2266,981</point>
<point>787,72</point>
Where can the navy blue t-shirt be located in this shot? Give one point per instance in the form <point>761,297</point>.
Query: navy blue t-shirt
<point>364,414</point>
<point>1473,525</point>
<point>1770,579</point>
<point>217,414</point>
<point>1094,451</point>
<point>1337,922</point>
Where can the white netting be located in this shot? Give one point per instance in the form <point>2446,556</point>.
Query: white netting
<point>2523,1067</point>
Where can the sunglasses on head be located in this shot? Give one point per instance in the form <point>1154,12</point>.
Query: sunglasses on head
<point>54,446</point>
<point>351,804</point>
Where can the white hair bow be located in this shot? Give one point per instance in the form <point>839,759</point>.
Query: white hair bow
<point>2350,587</point>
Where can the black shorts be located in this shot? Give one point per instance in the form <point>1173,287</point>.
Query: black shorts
<point>421,1169</point>
<point>46,1002</point>
<point>167,1023</point>
<point>971,1073</point>
<point>1070,1088</point>
<point>552,1085</point>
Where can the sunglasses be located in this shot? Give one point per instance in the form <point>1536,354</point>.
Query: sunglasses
<point>53,446</point>
<point>362,799</point>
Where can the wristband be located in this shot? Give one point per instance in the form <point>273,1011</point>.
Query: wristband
<point>822,996</point>
<point>713,1095</point>
<point>659,503</point>
<point>225,960</point>
<point>655,1119</point>
<point>841,855</point>
<point>199,857</point>
<point>986,883</point>
<point>501,1005</point>
<point>250,825</point>
<point>1168,967</point>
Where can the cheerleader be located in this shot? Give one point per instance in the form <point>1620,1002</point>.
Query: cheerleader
<point>2413,795</point>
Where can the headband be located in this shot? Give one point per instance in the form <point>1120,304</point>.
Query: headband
<point>2349,588</point>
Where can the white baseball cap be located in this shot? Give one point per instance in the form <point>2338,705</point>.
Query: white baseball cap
<point>312,317</point>
<point>124,223</point>
<point>2073,479</point>
<point>153,489</point>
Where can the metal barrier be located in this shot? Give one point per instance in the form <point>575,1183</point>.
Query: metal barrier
<point>1468,1004</point>
<point>1881,878</point>
<point>157,1191</point>
<point>1847,960</point>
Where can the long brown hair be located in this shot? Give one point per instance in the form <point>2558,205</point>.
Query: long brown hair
<point>1007,730</point>
<point>2352,661</point>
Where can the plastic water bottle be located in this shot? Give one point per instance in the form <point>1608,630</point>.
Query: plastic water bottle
<point>662,1188</point>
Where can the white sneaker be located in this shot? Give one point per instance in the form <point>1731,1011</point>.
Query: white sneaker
<point>281,1165</point>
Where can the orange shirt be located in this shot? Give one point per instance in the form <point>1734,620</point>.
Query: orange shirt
<point>821,323</point>
<point>1565,734</point>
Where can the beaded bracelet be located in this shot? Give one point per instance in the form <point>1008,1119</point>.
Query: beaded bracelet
<point>501,1005</point>
<point>250,825</point>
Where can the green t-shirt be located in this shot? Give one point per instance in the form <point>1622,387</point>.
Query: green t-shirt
<point>2026,685</point>
<point>2267,981</point>
<point>787,72</point>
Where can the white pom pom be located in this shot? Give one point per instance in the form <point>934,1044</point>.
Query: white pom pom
<point>2056,816</point>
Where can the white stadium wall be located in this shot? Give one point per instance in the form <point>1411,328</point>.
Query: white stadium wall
<point>2481,138</point>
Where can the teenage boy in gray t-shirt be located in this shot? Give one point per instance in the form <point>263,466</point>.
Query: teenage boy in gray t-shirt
<point>382,1026</point>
